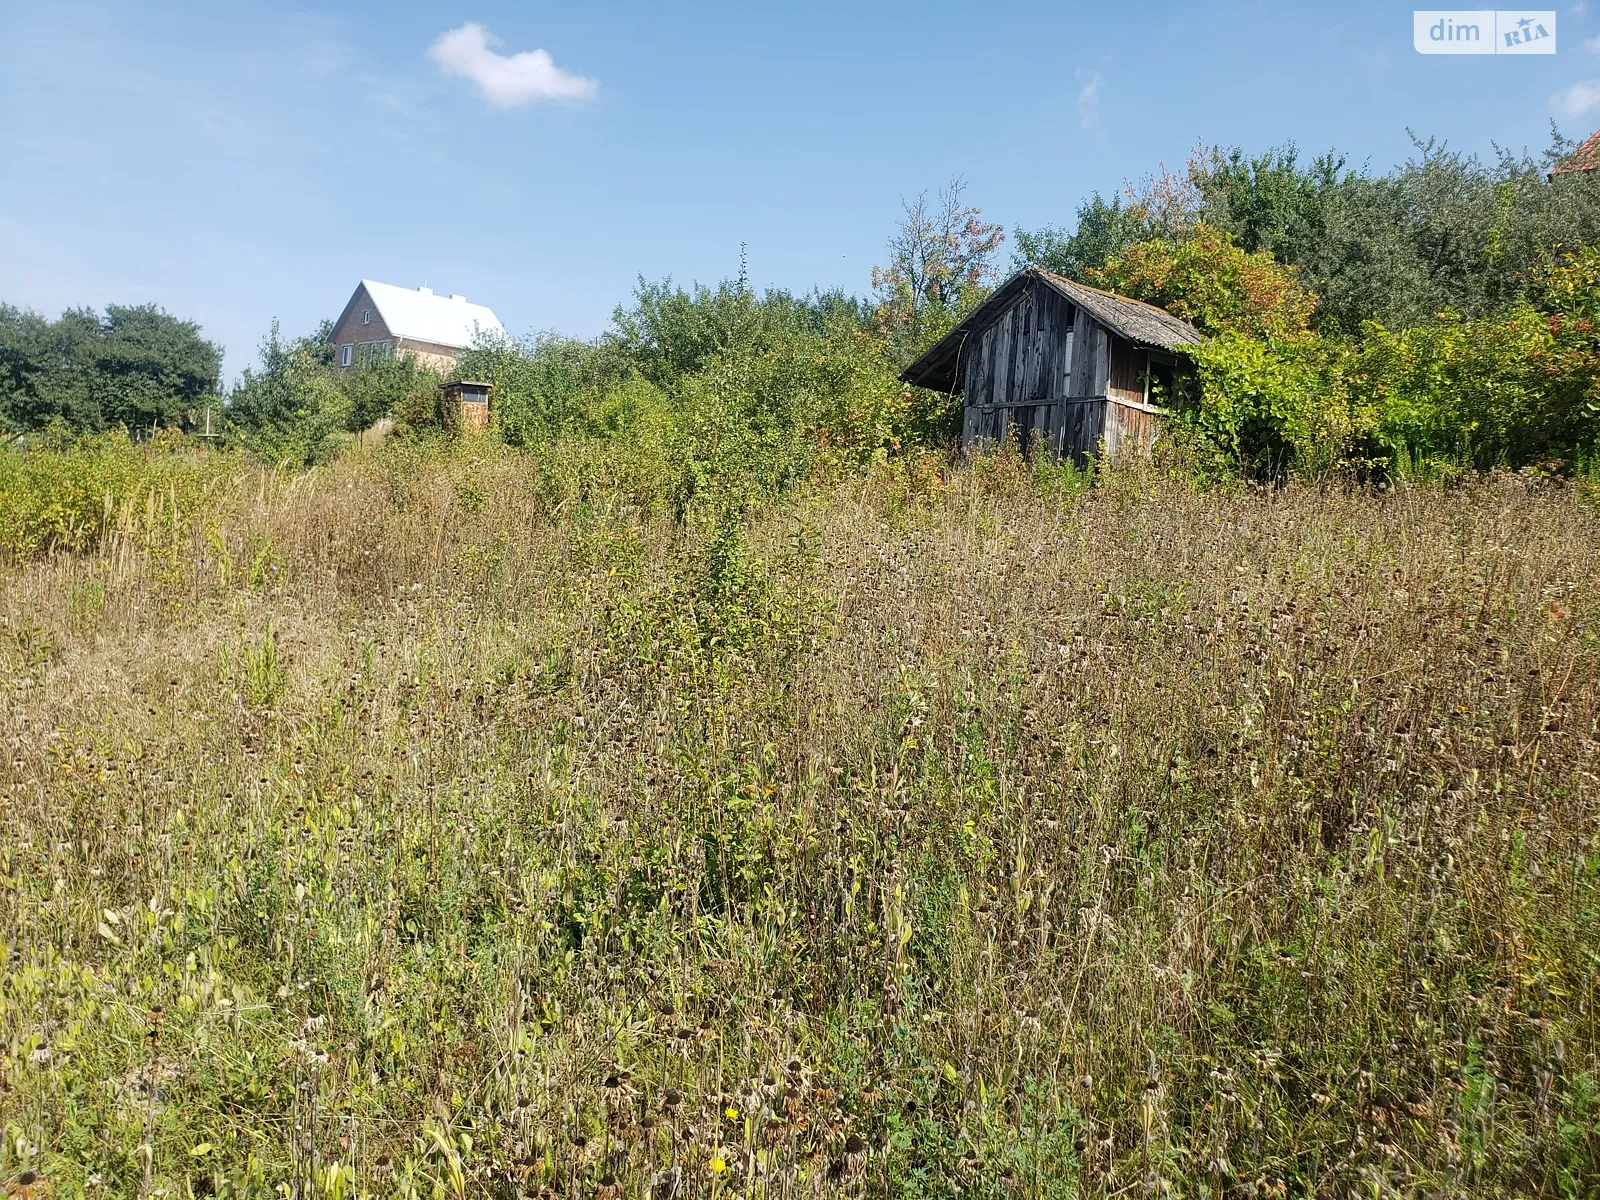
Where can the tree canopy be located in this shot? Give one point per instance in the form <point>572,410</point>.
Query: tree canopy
<point>1441,231</point>
<point>137,367</point>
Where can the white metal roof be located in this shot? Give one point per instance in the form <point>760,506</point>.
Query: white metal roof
<point>419,314</point>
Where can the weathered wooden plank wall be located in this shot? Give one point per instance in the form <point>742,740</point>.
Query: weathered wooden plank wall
<point>1130,428</point>
<point>1041,372</point>
<point>1128,368</point>
<point>1016,370</point>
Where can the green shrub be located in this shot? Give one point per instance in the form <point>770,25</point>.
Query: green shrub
<point>1513,390</point>
<point>1509,391</point>
<point>66,492</point>
<point>1208,280</point>
<point>1266,406</point>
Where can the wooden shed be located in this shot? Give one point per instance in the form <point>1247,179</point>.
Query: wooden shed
<point>1059,366</point>
<point>464,404</point>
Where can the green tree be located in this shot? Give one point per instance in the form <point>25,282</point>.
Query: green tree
<point>152,368</point>
<point>138,367</point>
<point>1441,231</point>
<point>1209,280</point>
<point>941,263</point>
<point>46,370</point>
<point>669,332</point>
<point>291,408</point>
<point>1105,229</point>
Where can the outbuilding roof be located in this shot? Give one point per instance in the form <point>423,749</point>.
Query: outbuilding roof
<point>425,317</point>
<point>1585,158</point>
<point>1134,320</point>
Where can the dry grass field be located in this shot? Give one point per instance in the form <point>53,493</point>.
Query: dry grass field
<point>456,826</point>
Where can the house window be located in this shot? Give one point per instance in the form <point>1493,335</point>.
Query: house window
<point>345,354</point>
<point>366,317</point>
<point>373,351</point>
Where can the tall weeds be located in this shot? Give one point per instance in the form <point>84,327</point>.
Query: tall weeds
<point>448,826</point>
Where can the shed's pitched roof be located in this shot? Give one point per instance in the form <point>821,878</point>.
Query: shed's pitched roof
<point>1141,323</point>
<point>1133,320</point>
<point>1585,158</point>
<point>425,317</point>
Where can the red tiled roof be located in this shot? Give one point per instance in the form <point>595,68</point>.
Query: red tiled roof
<point>1585,158</point>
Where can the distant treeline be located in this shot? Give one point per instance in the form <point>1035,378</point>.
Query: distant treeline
<point>1437,317</point>
<point>1442,232</point>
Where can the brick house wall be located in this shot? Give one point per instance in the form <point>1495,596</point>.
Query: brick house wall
<point>429,354</point>
<point>363,326</point>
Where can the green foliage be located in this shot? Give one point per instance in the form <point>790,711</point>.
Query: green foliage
<point>734,396</point>
<point>543,386</point>
<point>66,491</point>
<point>289,410</point>
<point>1506,391</point>
<point>1262,407</point>
<point>753,424</point>
<point>1453,393</point>
<point>1441,231</point>
<point>298,408</point>
<point>1104,230</point>
<point>137,367</point>
<point>379,387</point>
<point>669,333</point>
<point>1210,281</point>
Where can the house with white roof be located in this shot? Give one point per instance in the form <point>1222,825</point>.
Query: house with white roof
<point>382,319</point>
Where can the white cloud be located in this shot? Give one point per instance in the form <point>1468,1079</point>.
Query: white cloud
<point>1592,45</point>
<point>506,80</point>
<point>1577,99</point>
<point>1089,101</point>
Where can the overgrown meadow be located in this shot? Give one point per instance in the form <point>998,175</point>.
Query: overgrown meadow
<point>708,784</point>
<point>469,822</point>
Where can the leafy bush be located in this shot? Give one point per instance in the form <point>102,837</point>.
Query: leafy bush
<point>754,424</point>
<point>543,385</point>
<point>733,396</point>
<point>67,491</point>
<point>1208,280</point>
<point>1501,392</point>
<point>1435,399</point>
<point>1266,406</point>
<point>1267,395</point>
<point>297,408</point>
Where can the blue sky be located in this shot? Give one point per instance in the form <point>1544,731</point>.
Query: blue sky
<point>240,161</point>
